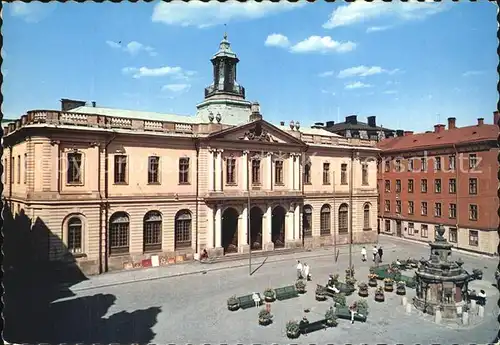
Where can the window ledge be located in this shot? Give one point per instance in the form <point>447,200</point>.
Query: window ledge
<point>184,183</point>
<point>154,183</point>
<point>367,229</point>
<point>120,183</point>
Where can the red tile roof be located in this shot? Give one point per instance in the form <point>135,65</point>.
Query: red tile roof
<point>457,136</point>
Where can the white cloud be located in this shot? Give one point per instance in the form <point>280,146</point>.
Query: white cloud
<point>364,71</point>
<point>206,14</point>
<point>277,40</point>
<point>377,28</point>
<point>326,92</point>
<point>175,72</point>
<point>356,85</point>
<point>391,82</point>
<point>31,12</point>
<point>390,92</point>
<point>472,73</point>
<point>177,88</point>
<point>322,45</point>
<point>326,74</point>
<point>133,47</point>
<point>362,11</point>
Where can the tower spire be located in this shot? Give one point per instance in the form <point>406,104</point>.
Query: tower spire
<point>225,31</point>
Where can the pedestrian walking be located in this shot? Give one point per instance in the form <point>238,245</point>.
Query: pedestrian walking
<point>363,254</point>
<point>307,275</point>
<point>380,253</point>
<point>375,252</point>
<point>299,269</point>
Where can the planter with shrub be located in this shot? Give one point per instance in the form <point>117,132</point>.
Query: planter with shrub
<point>331,318</point>
<point>401,288</point>
<point>379,294</point>
<point>300,285</point>
<point>265,317</point>
<point>363,289</point>
<point>292,329</point>
<point>233,304</point>
<point>388,284</point>
<point>320,293</point>
<point>269,295</point>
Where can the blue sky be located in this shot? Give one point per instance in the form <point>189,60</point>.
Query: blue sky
<point>409,64</point>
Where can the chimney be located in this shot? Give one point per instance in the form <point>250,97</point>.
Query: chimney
<point>399,133</point>
<point>352,119</point>
<point>255,115</point>
<point>282,123</point>
<point>93,104</point>
<point>407,133</point>
<point>69,104</point>
<point>371,121</point>
<point>318,125</point>
<point>452,123</point>
<point>496,118</point>
<point>480,121</point>
<point>439,128</point>
<point>330,124</point>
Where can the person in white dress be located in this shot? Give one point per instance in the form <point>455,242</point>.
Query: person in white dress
<point>306,272</point>
<point>363,254</point>
<point>375,253</point>
<point>299,269</point>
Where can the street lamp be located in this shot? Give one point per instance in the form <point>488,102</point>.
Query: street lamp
<point>351,180</point>
<point>249,231</point>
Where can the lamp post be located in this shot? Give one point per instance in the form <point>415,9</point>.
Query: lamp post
<point>334,212</point>
<point>249,231</point>
<point>351,180</point>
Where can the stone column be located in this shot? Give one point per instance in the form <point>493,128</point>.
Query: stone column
<point>267,228</point>
<point>210,170</point>
<point>210,227</point>
<point>243,231</point>
<point>218,227</point>
<point>291,167</point>
<point>296,233</point>
<point>289,223</point>
<point>244,170</point>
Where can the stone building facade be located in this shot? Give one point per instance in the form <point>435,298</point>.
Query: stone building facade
<point>108,187</point>
<point>447,176</point>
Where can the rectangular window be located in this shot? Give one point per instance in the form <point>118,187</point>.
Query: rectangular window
<point>473,212</point>
<point>18,169</point>
<point>231,171</point>
<point>437,164</point>
<point>453,211</point>
<point>387,225</point>
<point>255,171</point>
<point>184,170</point>
<point>326,173</point>
<point>307,173</point>
<point>437,185</point>
<point>153,169</point>
<point>120,169</point>
<point>398,206</point>
<point>472,161</point>
<point>424,230</point>
<point>411,207</point>
<point>411,164</point>
<point>452,162</point>
<point>410,186</point>
<point>398,186</point>
<point>473,238</point>
<point>387,166</point>
<point>423,185</point>
<point>452,186</point>
<point>398,165</point>
<point>387,206</point>
<point>473,186</point>
<point>364,174</point>
<point>343,174</point>
<point>423,208</point>
<point>437,209</point>
<point>25,175</point>
<point>423,164</point>
<point>278,172</point>
<point>387,186</point>
<point>74,174</point>
<point>453,237</point>
<point>411,229</point>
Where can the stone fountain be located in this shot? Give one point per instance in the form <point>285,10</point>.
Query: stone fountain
<point>442,284</point>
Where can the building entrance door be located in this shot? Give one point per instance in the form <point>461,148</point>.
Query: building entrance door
<point>398,228</point>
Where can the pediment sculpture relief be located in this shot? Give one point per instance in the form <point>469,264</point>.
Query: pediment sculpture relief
<point>257,134</point>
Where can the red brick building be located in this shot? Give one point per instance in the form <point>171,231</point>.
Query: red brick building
<point>447,176</point>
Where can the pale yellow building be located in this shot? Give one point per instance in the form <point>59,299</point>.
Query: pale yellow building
<point>112,187</point>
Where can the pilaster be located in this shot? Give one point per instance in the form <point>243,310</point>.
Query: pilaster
<point>244,170</point>
<point>291,167</point>
<point>210,227</point>
<point>267,227</point>
<point>211,170</point>
<point>218,226</point>
<point>268,178</point>
<point>297,232</point>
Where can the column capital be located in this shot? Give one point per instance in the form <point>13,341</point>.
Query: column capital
<point>245,152</point>
<point>220,150</point>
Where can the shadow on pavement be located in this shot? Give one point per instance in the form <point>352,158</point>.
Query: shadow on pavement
<point>34,286</point>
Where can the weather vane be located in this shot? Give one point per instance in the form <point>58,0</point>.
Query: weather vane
<point>225,31</point>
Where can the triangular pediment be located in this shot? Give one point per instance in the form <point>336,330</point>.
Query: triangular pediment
<point>258,131</point>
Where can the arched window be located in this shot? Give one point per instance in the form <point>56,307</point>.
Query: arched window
<point>119,228</point>
<point>307,220</point>
<point>75,235</point>
<point>366,217</point>
<point>183,223</point>
<point>325,220</point>
<point>343,218</point>
<point>152,231</point>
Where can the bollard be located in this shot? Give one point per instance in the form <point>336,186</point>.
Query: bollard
<point>408,308</point>
<point>437,317</point>
<point>404,301</point>
<point>473,304</point>
<point>465,318</point>
<point>481,311</point>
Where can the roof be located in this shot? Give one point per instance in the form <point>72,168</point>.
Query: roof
<point>457,136</point>
<point>310,131</point>
<point>360,126</point>
<point>135,114</point>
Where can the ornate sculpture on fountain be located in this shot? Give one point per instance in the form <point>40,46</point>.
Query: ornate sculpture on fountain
<point>440,282</point>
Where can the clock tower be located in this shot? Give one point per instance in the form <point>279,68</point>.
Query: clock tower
<point>224,79</point>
